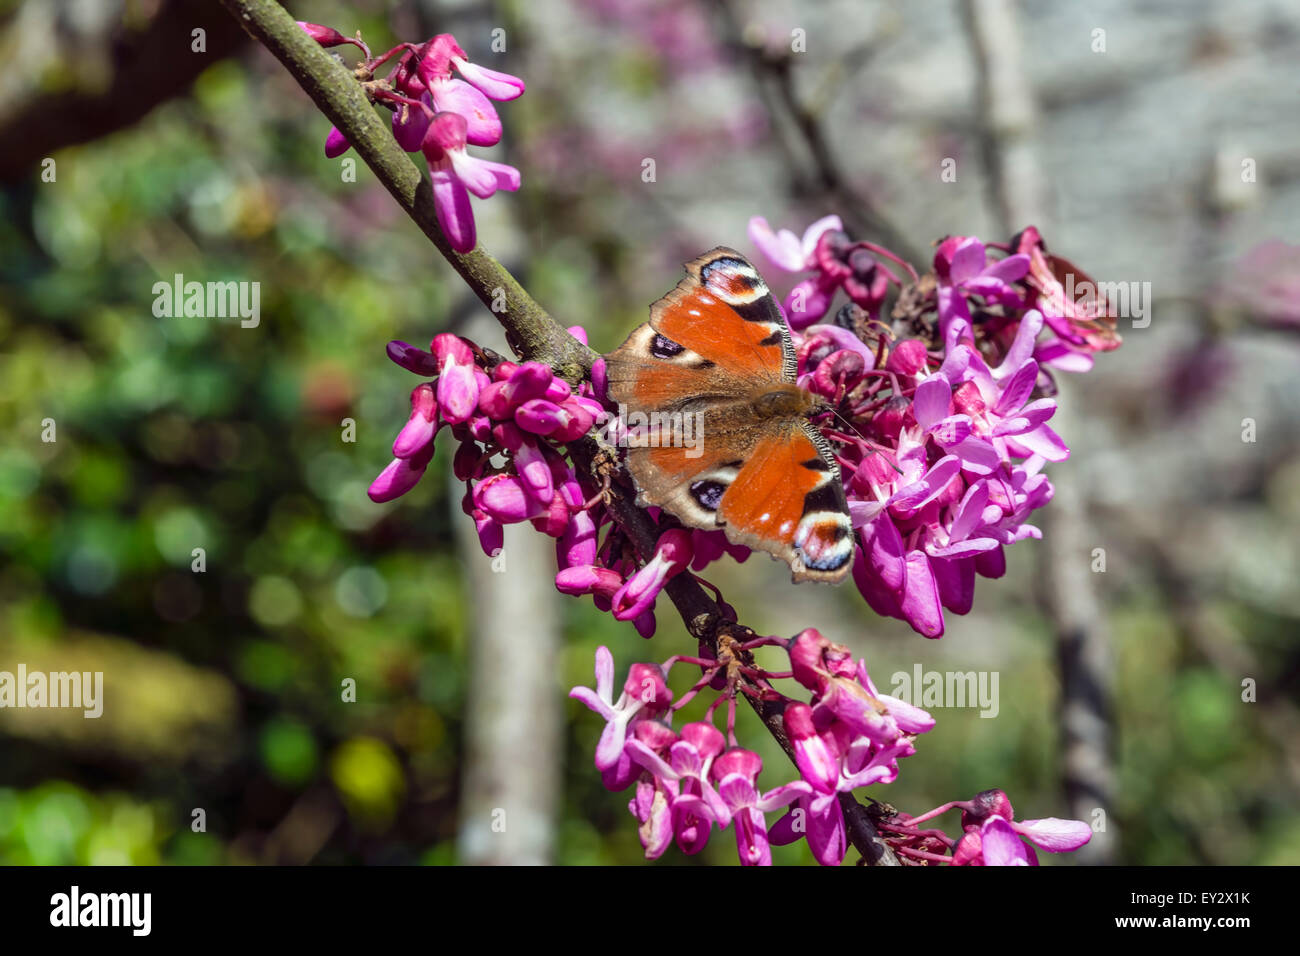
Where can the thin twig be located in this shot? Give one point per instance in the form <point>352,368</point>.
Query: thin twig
<point>793,120</point>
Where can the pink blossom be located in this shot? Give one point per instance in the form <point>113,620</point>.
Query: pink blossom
<point>787,250</point>
<point>736,775</point>
<point>455,174</point>
<point>644,693</point>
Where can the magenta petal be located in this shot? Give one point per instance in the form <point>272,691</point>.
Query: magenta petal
<point>622,775</point>
<point>482,125</point>
<point>691,824</point>
<point>955,576</point>
<point>498,86</point>
<point>978,456</point>
<point>610,746</point>
<point>817,764</point>
<point>790,828</point>
<point>491,535</point>
<point>808,302</point>
<point>991,564</point>
<point>1042,441</point>
<point>410,124</point>
<point>1001,845</point>
<point>881,599</point>
<point>826,837</point>
<point>1022,348</point>
<point>920,604</point>
<point>483,177</point>
<point>968,261</point>
<point>578,545</point>
<point>783,796</point>
<point>994,291</point>
<point>414,437</point>
<point>1010,268</point>
<point>910,718</point>
<point>737,791</point>
<point>451,201</point>
<point>885,552</point>
<point>920,493</point>
<point>932,401</point>
<point>539,416</point>
<point>783,248</point>
<point>751,838</point>
<point>951,430</point>
<point>506,175</point>
<point>336,144</point>
<point>412,358</point>
<point>397,479</point>
<point>1059,355</point>
<point>1054,834</point>
<point>503,497</point>
<point>589,579</point>
<point>1017,389</point>
<point>961,549</point>
<point>645,623</point>
<point>647,758</point>
<point>605,673</point>
<point>1038,412</point>
<point>457,391</point>
<point>595,699</point>
<point>536,472</point>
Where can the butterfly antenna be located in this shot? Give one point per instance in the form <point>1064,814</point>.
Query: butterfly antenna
<point>848,425</point>
<point>853,429</point>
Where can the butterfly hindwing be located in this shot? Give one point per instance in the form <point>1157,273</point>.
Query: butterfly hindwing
<point>789,492</point>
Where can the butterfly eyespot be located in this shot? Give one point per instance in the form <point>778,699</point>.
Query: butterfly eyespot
<point>664,348</point>
<point>708,494</point>
<point>824,541</point>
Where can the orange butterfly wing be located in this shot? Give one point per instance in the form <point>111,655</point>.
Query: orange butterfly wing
<point>712,346</point>
<point>789,492</point>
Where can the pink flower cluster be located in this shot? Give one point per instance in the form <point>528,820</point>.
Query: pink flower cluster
<point>991,836</point>
<point>525,415</point>
<point>835,261</point>
<point>940,439</point>
<point>442,104</point>
<point>848,736</point>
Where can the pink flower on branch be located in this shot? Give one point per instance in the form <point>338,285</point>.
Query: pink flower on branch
<point>441,104</point>
<point>455,174</point>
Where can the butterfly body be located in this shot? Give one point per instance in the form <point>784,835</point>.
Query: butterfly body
<point>716,355</point>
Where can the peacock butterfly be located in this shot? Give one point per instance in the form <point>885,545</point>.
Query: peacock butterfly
<point>717,349</point>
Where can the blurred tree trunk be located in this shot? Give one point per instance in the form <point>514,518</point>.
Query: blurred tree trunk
<point>512,773</point>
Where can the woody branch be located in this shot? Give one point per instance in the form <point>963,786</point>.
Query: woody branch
<point>537,336</point>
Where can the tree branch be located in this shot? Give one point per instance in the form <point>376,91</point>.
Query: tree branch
<point>534,333</point>
<point>341,98</point>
